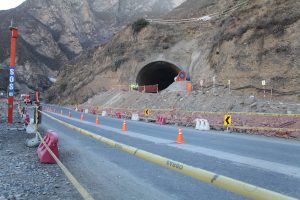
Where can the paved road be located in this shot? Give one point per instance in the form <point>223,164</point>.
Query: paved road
<point>271,163</point>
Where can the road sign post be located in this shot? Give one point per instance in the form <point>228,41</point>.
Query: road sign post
<point>10,100</point>
<point>227,121</point>
<point>146,112</point>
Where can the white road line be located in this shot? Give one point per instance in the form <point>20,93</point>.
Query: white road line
<point>263,164</point>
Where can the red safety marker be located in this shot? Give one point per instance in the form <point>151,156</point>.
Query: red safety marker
<point>10,100</point>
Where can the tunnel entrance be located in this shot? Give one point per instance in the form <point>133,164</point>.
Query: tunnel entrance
<point>159,72</point>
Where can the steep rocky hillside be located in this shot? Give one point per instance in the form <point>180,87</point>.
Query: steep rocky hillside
<point>53,32</point>
<point>258,40</point>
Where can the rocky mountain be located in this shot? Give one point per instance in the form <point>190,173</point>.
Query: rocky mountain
<point>238,42</point>
<point>53,32</point>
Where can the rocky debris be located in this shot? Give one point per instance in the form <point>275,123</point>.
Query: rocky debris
<point>181,108</point>
<point>22,176</point>
<point>177,86</point>
<point>193,101</point>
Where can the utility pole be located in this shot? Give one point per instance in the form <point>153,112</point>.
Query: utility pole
<point>10,100</point>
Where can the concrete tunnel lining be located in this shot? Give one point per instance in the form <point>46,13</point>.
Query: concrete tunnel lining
<point>159,72</point>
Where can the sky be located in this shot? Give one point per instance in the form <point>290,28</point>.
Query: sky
<point>7,4</point>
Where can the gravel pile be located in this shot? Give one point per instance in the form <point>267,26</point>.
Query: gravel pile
<point>22,176</point>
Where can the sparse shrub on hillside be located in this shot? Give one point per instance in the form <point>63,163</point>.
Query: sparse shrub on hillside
<point>50,98</point>
<point>138,25</point>
<point>63,87</point>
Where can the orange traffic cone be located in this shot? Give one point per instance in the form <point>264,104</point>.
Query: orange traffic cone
<point>97,120</point>
<point>179,137</point>
<point>124,127</point>
<point>81,117</point>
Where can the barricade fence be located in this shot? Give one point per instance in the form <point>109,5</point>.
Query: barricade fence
<point>233,185</point>
<point>148,88</point>
<point>272,124</point>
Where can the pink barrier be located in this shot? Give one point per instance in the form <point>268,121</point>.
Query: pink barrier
<point>51,139</point>
<point>161,120</point>
<point>118,115</point>
<point>26,119</point>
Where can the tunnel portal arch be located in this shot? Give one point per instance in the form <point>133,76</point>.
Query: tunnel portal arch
<point>158,72</point>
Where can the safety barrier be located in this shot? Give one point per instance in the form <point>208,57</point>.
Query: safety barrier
<point>104,113</point>
<point>148,88</point>
<point>94,111</point>
<point>233,185</point>
<point>118,115</point>
<point>281,125</point>
<point>51,139</point>
<point>83,192</point>
<point>30,129</point>
<point>161,120</point>
<point>189,86</point>
<point>26,119</point>
<point>202,125</point>
<point>135,117</point>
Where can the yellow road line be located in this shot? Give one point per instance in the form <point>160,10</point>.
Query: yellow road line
<point>84,193</point>
<point>236,186</point>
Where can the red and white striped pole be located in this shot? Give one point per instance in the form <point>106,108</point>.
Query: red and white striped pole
<point>10,100</point>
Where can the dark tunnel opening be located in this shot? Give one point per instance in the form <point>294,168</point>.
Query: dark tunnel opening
<point>159,72</point>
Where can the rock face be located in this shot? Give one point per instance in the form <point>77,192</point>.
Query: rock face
<point>53,32</point>
<point>245,42</point>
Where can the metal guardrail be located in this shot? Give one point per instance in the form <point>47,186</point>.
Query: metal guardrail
<point>233,185</point>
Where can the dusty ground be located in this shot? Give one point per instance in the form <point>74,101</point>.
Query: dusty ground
<point>22,176</point>
<point>207,99</point>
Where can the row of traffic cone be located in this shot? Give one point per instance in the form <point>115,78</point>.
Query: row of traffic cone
<point>124,127</point>
<point>97,121</point>
<point>179,136</point>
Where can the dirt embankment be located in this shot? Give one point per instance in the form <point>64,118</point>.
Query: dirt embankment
<point>182,108</point>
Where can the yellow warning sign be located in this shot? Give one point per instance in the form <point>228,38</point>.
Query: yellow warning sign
<point>227,120</point>
<point>146,112</point>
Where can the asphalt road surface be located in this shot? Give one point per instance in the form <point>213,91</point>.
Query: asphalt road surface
<point>108,173</point>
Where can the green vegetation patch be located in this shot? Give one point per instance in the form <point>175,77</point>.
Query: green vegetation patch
<point>138,25</point>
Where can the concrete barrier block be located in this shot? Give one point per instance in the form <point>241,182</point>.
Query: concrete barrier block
<point>202,124</point>
<point>104,113</point>
<point>135,117</point>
